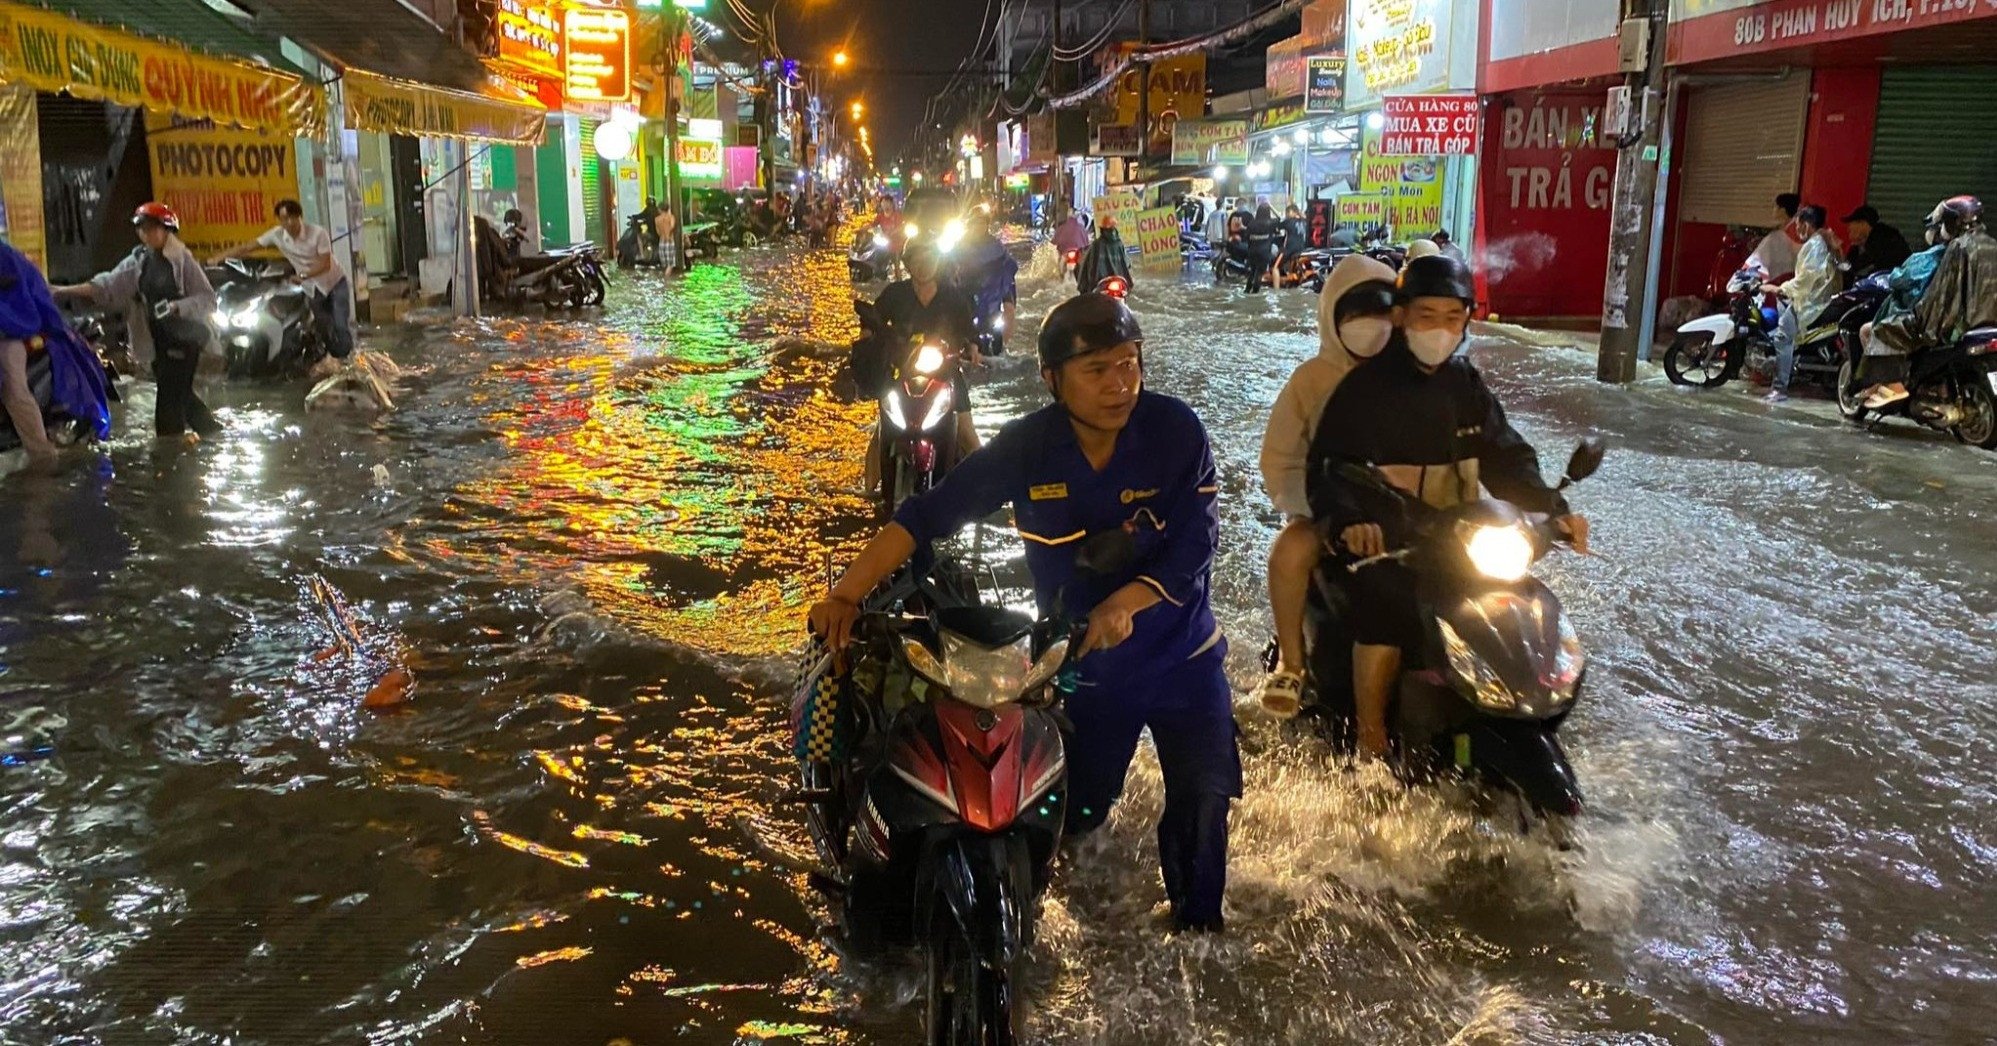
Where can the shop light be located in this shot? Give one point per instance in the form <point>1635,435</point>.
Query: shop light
<point>1220,174</point>
<point>1303,136</point>
<point>1376,120</point>
<point>1282,147</point>
<point>613,141</point>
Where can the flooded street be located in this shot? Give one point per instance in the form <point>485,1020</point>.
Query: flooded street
<point>593,539</point>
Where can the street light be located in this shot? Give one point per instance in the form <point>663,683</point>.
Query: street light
<point>858,109</point>
<point>839,60</point>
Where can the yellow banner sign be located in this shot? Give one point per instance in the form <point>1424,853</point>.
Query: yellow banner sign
<point>377,103</point>
<point>1122,207</point>
<point>223,182</point>
<point>1158,235</point>
<point>1412,186</point>
<point>50,52</point>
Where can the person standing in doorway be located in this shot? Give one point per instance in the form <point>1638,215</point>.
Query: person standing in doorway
<point>164,279</point>
<point>309,249</point>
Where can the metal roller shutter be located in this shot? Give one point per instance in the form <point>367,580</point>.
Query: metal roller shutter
<point>592,187</point>
<point>1743,148</point>
<point>1923,151</point>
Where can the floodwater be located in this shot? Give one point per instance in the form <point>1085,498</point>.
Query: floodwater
<point>592,539</point>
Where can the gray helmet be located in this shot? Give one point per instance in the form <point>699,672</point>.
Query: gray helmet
<point>1083,324</point>
<point>1436,276</point>
<point>1956,214</point>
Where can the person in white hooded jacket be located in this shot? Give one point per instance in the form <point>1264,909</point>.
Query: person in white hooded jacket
<point>1353,326</point>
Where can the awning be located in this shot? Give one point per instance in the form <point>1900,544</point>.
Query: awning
<point>501,114</point>
<point>383,36</point>
<point>54,53</point>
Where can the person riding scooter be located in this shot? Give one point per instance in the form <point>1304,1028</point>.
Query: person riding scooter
<point>1804,295</point>
<point>1106,257</point>
<point>1425,418</point>
<point>1962,295</point>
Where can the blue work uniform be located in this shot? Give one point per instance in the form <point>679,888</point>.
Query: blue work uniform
<point>1159,485</point>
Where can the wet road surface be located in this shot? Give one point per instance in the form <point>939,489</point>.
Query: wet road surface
<point>593,540</point>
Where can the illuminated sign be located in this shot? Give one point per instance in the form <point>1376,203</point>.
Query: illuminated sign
<point>1395,45</point>
<point>599,60</point>
<point>700,157</point>
<point>530,37</point>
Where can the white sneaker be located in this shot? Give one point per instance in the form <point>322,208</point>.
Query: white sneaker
<point>1281,694</point>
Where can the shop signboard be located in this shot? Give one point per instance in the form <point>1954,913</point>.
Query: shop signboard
<point>222,181</point>
<point>1213,140</point>
<point>1412,186</point>
<point>377,103</point>
<point>1178,90</point>
<point>1324,83</point>
<point>49,52</point>
<point>1157,236</point>
<point>1113,139</point>
<point>1278,114</point>
<point>21,174</point>
<point>1040,140</point>
<point>1121,207</point>
<point>1396,45</point>
<point>700,158</point>
<point>530,36</point>
<point>1362,209</point>
<point>1545,207</point>
<point>1707,29</point>
<point>1286,64</point>
<point>599,54</point>
<point>1428,125</point>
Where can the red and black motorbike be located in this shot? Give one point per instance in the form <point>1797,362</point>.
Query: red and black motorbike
<point>918,424</point>
<point>934,777</point>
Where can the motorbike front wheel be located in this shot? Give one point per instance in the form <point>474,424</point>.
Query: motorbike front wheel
<point>1849,403</point>
<point>1695,359</point>
<point>968,1004</point>
<point>1979,410</point>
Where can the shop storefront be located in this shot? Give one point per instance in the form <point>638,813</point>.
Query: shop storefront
<point>98,119</point>
<point>1841,102</point>
<point>1547,171</point>
<point>1404,48</point>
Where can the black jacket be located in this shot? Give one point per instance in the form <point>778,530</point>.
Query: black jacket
<point>1443,432</point>
<point>1106,257</point>
<point>1883,251</point>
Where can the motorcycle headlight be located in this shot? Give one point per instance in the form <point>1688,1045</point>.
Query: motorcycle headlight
<point>1500,553</point>
<point>986,677</point>
<point>924,662</point>
<point>910,231</point>
<point>881,240</point>
<point>1046,668</point>
<point>952,233</point>
<point>219,319</point>
<point>937,409</point>
<point>998,322</point>
<point>1485,687</point>
<point>928,360</point>
<point>892,406</point>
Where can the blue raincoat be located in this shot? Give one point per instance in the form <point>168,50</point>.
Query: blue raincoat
<point>28,313</point>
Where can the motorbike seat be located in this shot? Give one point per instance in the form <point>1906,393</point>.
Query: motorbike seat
<point>537,262</point>
<point>986,626</point>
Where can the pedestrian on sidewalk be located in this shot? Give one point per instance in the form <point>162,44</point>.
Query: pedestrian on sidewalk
<point>164,283</point>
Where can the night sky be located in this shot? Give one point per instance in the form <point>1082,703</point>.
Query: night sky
<point>883,34</point>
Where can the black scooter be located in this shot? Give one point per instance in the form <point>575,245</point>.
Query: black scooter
<point>1953,390</point>
<point>1500,667</point>
<point>266,323</point>
<point>640,243</point>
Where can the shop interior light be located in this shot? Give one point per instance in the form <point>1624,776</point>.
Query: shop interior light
<point>613,141</point>
<point>1282,147</point>
<point>1303,136</point>
<point>1220,174</point>
<point>1375,120</point>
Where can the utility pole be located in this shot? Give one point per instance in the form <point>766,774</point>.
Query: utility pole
<point>1143,85</point>
<point>1059,174</point>
<point>669,66</point>
<point>1625,289</point>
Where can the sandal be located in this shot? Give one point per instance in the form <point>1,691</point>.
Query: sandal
<point>1885,396</point>
<point>1281,694</point>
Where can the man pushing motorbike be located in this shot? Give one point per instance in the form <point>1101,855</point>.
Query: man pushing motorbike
<point>1423,415</point>
<point>1106,455</point>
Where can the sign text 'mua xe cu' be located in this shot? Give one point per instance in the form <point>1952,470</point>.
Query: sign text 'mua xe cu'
<point>1429,125</point>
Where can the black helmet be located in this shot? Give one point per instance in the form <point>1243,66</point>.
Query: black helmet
<point>1956,214</point>
<point>1083,324</point>
<point>1436,276</point>
<point>1366,298</point>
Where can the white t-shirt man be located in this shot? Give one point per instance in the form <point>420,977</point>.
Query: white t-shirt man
<point>304,251</point>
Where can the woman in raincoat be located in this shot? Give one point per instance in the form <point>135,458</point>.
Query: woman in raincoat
<point>30,325</point>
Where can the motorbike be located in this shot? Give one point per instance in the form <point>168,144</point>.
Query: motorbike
<point>594,281</point>
<point>1310,267</point>
<point>1194,248</point>
<point>1501,667</point>
<point>265,322</point>
<point>1713,350</point>
<point>873,256</point>
<point>1953,392</point>
<point>556,280</point>
<point>62,429</point>
<point>918,426</point>
<point>640,243</point>
<point>934,781</point>
<point>1228,265</point>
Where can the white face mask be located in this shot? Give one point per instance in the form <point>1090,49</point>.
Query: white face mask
<point>1365,336</point>
<point>1433,346</point>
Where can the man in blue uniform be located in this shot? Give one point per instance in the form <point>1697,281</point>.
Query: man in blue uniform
<point>1106,455</point>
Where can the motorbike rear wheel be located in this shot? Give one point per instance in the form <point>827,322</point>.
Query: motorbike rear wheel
<point>1849,403</point>
<point>1979,408</point>
<point>1694,359</point>
<point>968,1004</point>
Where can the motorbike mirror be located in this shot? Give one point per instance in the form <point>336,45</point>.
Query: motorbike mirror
<point>1107,553</point>
<point>1586,459</point>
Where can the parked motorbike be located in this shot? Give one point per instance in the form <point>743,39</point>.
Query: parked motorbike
<point>1956,391</point>
<point>1713,350</point>
<point>1228,265</point>
<point>555,280</point>
<point>1194,248</point>
<point>1310,267</point>
<point>265,322</point>
<point>640,243</point>
<point>1501,667</point>
<point>934,782</point>
<point>595,279</point>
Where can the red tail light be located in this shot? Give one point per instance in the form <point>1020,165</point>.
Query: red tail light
<point>1114,286</point>
<point>1072,257</point>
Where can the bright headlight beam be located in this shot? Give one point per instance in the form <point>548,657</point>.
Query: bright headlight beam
<point>1500,553</point>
